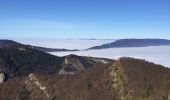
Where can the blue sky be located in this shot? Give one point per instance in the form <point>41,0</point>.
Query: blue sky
<point>85,18</point>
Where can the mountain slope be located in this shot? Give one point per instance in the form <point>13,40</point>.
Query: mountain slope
<point>133,43</point>
<point>140,80</point>
<point>22,60</point>
<point>125,79</point>
<point>8,43</point>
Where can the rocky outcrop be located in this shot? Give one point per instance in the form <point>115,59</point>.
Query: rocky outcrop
<point>73,64</point>
<point>34,83</point>
<point>2,77</point>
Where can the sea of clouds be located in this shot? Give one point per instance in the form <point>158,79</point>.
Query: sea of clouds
<point>63,43</point>
<point>156,54</point>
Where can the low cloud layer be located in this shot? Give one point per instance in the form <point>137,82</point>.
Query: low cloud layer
<point>157,54</point>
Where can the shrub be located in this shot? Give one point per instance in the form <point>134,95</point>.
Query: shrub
<point>89,85</point>
<point>147,92</point>
<point>113,98</point>
<point>24,95</point>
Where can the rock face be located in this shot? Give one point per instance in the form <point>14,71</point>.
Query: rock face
<point>73,64</point>
<point>2,77</point>
<point>33,82</point>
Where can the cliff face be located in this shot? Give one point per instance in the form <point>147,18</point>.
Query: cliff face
<point>125,79</point>
<point>73,64</point>
<point>2,77</point>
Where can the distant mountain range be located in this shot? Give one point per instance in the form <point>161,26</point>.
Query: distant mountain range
<point>7,43</point>
<point>133,43</point>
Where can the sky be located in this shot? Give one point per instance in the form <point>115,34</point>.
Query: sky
<point>103,19</point>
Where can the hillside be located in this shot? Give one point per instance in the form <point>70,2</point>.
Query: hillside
<point>22,60</point>
<point>125,79</point>
<point>8,43</point>
<point>140,80</point>
<point>133,43</point>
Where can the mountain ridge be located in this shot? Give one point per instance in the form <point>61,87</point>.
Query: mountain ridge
<point>21,60</point>
<point>121,43</point>
<point>6,43</point>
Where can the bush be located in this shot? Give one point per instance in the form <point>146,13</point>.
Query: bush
<point>147,92</point>
<point>113,98</point>
<point>24,95</point>
<point>89,85</point>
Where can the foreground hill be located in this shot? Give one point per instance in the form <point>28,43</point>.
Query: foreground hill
<point>133,43</point>
<point>8,43</point>
<point>125,79</point>
<point>21,60</point>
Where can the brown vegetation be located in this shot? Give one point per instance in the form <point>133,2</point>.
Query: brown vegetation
<point>126,79</point>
